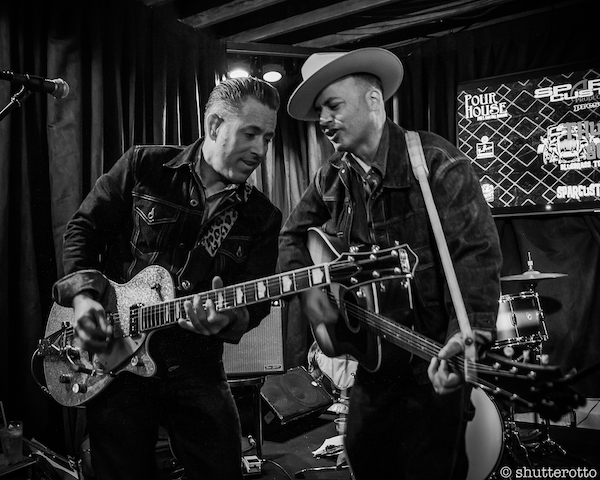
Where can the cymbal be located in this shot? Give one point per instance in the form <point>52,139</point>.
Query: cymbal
<point>531,276</point>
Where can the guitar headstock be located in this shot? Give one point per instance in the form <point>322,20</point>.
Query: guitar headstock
<point>364,264</point>
<point>540,388</point>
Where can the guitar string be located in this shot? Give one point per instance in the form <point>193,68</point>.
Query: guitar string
<point>418,342</point>
<point>429,347</point>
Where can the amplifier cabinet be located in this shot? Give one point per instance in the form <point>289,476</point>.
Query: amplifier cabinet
<point>260,351</point>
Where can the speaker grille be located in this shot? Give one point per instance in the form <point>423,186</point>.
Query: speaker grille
<point>260,352</point>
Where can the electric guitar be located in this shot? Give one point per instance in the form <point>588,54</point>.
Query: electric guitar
<point>146,303</point>
<point>539,388</point>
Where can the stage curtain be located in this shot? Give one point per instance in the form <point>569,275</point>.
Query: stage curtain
<point>136,75</point>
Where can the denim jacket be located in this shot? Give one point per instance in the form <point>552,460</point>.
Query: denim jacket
<point>148,209</point>
<point>396,212</point>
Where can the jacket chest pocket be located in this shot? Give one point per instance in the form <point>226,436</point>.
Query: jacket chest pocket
<point>235,249</point>
<point>341,214</point>
<point>154,222</point>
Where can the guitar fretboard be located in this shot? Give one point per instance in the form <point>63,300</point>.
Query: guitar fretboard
<point>159,315</point>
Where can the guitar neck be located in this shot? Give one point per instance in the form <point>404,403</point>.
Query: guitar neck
<point>151,317</point>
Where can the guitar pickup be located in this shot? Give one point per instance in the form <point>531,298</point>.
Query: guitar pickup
<point>134,319</point>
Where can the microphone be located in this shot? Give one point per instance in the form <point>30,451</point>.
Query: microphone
<point>56,87</point>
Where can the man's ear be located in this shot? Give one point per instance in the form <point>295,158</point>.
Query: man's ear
<point>374,99</point>
<point>213,122</point>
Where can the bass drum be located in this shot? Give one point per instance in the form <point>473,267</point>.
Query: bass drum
<point>484,437</point>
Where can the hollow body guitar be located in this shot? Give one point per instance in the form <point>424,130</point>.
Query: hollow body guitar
<point>146,304</point>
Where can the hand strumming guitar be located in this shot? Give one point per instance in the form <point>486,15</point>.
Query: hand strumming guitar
<point>322,315</point>
<point>91,324</point>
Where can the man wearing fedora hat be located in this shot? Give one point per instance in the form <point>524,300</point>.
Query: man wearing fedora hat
<point>407,418</point>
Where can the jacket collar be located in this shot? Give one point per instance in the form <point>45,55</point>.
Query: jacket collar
<point>189,156</point>
<point>397,167</point>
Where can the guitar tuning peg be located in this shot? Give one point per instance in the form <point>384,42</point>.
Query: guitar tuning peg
<point>508,352</point>
<point>375,248</point>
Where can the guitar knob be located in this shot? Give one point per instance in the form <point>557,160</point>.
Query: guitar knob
<point>79,388</point>
<point>65,378</point>
<point>135,361</point>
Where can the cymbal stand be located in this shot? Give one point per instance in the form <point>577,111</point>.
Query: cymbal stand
<point>512,439</point>
<point>546,446</point>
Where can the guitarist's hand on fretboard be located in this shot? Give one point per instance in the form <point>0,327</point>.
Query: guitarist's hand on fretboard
<point>442,377</point>
<point>91,326</point>
<point>206,319</point>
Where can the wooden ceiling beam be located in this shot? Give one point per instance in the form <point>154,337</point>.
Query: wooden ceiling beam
<point>270,49</point>
<point>489,23</point>
<point>410,20</point>
<point>314,17</point>
<point>225,12</point>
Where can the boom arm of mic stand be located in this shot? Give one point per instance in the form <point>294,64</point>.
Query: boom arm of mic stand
<point>15,101</point>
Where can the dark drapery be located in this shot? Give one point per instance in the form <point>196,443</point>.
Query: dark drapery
<point>136,75</point>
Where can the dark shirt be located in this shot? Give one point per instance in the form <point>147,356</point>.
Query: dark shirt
<point>149,209</point>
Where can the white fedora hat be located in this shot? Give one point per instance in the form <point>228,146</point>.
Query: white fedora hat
<point>321,69</point>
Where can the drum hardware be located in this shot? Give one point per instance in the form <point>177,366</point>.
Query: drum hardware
<point>521,324</point>
<point>513,440</point>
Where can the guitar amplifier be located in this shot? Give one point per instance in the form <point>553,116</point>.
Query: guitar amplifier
<point>260,351</point>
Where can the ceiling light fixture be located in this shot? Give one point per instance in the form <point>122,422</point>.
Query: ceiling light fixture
<point>273,72</point>
<point>239,70</point>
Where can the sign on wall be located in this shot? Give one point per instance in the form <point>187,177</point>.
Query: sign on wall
<point>534,139</point>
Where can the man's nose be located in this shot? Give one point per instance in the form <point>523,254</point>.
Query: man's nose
<point>324,117</point>
<point>260,147</point>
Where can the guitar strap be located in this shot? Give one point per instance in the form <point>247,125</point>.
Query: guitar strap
<point>421,172</point>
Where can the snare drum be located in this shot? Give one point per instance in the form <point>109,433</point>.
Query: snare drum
<point>520,320</point>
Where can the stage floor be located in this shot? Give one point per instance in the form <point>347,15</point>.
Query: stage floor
<point>287,451</point>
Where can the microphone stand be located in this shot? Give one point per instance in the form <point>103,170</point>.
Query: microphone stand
<point>15,101</point>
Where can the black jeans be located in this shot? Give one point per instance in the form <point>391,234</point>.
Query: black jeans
<point>400,430</point>
<point>194,405</point>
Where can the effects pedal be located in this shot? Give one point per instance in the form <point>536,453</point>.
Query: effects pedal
<point>251,465</point>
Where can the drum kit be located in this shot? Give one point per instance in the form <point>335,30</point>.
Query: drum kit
<point>521,333</point>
